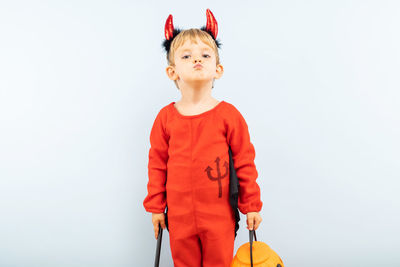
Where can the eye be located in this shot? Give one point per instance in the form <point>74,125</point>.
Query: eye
<point>186,56</point>
<point>206,55</point>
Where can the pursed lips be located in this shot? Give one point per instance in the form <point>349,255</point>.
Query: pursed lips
<point>197,66</point>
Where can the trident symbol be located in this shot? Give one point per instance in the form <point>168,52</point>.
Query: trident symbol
<point>219,177</point>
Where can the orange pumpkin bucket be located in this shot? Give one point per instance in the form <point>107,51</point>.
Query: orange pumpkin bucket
<point>256,254</point>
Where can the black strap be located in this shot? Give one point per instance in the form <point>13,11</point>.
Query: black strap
<point>251,233</point>
<point>159,238</point>
<point>158,250</point>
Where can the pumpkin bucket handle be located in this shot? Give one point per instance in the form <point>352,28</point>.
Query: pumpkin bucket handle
<point>158,250</point>
<point>251,233</point>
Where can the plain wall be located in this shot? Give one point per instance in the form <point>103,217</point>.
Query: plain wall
<point>82,81</point>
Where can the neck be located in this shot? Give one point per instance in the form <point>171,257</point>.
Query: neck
<point>196,93</point>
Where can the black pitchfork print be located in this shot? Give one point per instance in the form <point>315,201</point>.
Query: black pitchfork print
<point>219,176</point>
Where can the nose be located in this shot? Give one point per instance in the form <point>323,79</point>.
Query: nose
<point>196,60</point>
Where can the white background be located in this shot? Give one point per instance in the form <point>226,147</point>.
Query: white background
<point>82,81</point>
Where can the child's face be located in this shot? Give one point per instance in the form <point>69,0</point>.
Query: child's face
<point>186,58</point>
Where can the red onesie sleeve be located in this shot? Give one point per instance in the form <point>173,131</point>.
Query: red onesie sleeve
<point>243,154</point>
<point>155,200</point>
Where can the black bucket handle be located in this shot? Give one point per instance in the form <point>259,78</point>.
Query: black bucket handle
<point>158,250</point>
<point>251,233</point>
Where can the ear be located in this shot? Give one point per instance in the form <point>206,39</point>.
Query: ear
<point>171,73</point>
<point>219,71</point>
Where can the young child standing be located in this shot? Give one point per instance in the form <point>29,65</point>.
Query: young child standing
<point>188,159</point>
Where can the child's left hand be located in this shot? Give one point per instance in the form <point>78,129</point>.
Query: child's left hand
<point>253,220</point>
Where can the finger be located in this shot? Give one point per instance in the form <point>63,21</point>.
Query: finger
<point>257,224</point>
<point>163,224</point>
<point>250,223</point>
<point>156,230</point>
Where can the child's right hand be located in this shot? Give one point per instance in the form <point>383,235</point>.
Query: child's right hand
<point>158,218</point>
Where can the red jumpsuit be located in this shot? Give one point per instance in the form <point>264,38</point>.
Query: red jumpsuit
<point>189,171</point>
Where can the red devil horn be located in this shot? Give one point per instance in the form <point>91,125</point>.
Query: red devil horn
<point>169,28</point>
<point>211,23</point>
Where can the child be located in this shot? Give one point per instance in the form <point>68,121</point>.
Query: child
<point>189,161</point>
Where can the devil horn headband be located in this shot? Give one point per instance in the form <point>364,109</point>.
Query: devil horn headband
<point>171,32</point>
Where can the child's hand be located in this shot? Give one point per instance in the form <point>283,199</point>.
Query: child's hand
<point>157,218</point>
<point>253,220</point>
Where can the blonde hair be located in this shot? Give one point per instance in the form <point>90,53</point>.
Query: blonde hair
<point>191,34</point>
